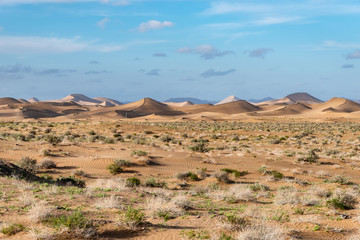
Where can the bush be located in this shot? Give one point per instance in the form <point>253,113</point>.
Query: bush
<point>53,140</point>
<point>342,200</point>
<point>139,153</point>
<point>12,229</point>
<point>122,163</point>
<point>132,182</point>
<point>70,181</point>
<point>343,180</point>
<point>222,177</point>
<point>201,147</point>
<point>311,157</point>
<point>29,164</point>
<point>133,217</point>
<point>187,175</point>
<point>261,231</point>
<point>114,169</point>
<point>152,182</point>
<point>74,221</point>
<point>277,175</point>
<point>235,172</point>
<point>47,164</point>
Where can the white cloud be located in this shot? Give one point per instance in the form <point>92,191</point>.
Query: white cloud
<point>304,7</point>
<point>103,22</point>
<point>206,51</point>
<point>334,44</point>
<point>116,2</point>
<point>184,50</point>
<point>354,55</point>
<point>153,24</point>
<point>212,73</point>
<point>260,52</point>
<point>17,2</point>
<point>31,44</point>
<point>276,20</point>
<point>227,7</point>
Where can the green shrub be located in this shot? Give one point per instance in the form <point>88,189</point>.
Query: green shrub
<point>201,147</point>
<point>122,163</point>
<point>235,172</point>
<point>342,200</point>
<point>132,182</point>
<point>133,217</point>
<point>76,220</point>
<point>12,229</point>
<point>139,153</point>
<point>70,181</point>
<point>47,164</point>
<point>114,169</point>
<point>52,139</point>
<point>29,164</point>
<point>258,187</point>
<point>277,175</point>
<point>152,182</point>
<point>311,157</point>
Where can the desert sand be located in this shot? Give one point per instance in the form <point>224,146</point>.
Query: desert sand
<point>152,170</point>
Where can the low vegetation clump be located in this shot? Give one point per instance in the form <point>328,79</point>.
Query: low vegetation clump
<point>133,218</point>
<point>12,229</point>
<point>236,173</point>
<point>343,180</point>
<point>46,164</point>
<point>75,220</point>
<point>132,182</point>
<point>152,182</point>
<point>222,177</point>
<point>341,199</point>
<point>311,157</point>
<point>200,147</point>
<point>159,207</point>
<point>122,163</point>
<point>261,231</point>
<point>188,176</point>
<point>139,153</point>
<point>29,164</point>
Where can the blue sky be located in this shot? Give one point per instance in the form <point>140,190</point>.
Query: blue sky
<point>130,49</point>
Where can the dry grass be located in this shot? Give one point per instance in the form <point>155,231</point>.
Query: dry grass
<point>160,207</point>
<point>261,231</point>
<point>109,202</point>
<point>39,211</point>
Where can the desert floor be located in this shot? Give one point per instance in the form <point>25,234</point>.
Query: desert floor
<point>281,179</point>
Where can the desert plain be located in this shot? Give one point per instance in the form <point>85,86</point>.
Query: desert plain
<point>97,169</point>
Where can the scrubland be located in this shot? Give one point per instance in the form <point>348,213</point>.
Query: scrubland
<point>180,180</point>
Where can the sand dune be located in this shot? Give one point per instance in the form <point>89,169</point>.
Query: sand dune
<point>22,100</point>
<point>107,101</point>
<point>145,107</point>
<point>151,109</point>
<point>33,99</point>
<point>179,104</point>
<point>230,108</point>
<point>8,100</point>
<point>297,108</point>
<point>228,100</point>
<point>338,105</point>
<point>50,109</point>
<point>292,99</point>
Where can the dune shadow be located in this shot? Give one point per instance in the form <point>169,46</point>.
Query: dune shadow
<point>67,167</point>
<point>119,234</point>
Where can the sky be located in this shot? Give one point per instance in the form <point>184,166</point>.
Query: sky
<point>131,49</point>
